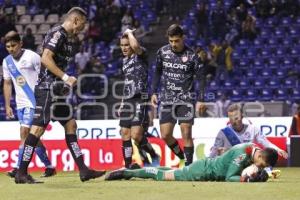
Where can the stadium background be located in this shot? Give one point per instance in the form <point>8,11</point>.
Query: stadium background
<point>259,64</point>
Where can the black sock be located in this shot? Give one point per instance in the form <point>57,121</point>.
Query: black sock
<point>188,152</point>
<point>127,152</point>
<point>146,146</point>
<point>29,146</point>
<point>71,140</point>
<point>143,155</point>
<point>177,150</point>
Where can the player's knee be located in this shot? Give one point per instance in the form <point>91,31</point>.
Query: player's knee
<point>136,136</point>
<point>37,131</point>
<point>166,136</point>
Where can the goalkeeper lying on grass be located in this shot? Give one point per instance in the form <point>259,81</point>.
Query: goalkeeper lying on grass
<point>227,167</point>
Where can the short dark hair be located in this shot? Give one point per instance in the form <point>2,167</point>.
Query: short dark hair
<point>12,36</point>
<point>175,30</point>
<point>271,156</point>
<point>77,10</point>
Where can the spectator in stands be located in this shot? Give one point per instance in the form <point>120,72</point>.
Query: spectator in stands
<point>202,19</point>
<point>6,24</point>
<point>94,31</point>
<point>9,10</point>
<point>209,70</point>
<point>218,21</point>
<point>221,106</point>
<point>249,27</point>
<point>237,132</point>
<point>174,8</point>
<point>227,55</point>
<point>81,60</point>
<point>234,27</point>
<point>241,12</point>
<point>29,40</point>
<point>127,20</point>
<point>295,126</point>
<point>265,8</point>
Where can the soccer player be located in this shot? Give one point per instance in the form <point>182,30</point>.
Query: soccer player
<point>57,51</point>
<point>227,167</point>
<point>237,132</point>
<point>22,67</point>
<point>134,107</point>
<point>176,65</point>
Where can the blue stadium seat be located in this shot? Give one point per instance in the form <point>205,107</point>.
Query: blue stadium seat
<point>273,62</point>
<point>251,53</point>
<point>280,72</point>
<point>259,63</point>
<point>244,63</point>
<point>265,32</point>
<point>287,41</point>
<point>266,94</point>
<point>228,84</point>
<point>281,94</point>
<point>271,22</point>
<point>244,83</point>
<point>251,95</point>
<point>295,94</point>
<point>243,43</point>
<point>236,95</point>
<point>279,32</point>
<point>251,73</point>
<point>287,62</point>
<point>274,83</point>
<point>259,42</point>
<point>289,83</point>
<point>286,21</point>
<point>293,31</point>
<point>266,52</point>
<point>266,72</point>
<point>259,83</point>
<point>213,85</point>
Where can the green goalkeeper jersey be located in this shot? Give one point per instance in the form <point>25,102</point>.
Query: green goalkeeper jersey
<point>227,167</point>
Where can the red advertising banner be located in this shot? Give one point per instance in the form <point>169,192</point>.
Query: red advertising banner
<point>99,154</point>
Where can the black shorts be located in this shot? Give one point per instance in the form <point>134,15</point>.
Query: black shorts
<point>49,109</point>
<point>181,112</point>
<point>134,112</point>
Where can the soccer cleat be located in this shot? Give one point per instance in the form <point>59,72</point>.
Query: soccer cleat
<point>25,179</point>
<point>134,166</point>
<point>115,175</point>
<point>181,164</point>
<point>90,174</point>
<point>12,173</point>
<point>49,172</point>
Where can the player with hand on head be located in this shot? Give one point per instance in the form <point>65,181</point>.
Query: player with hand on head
<point>227,167</point>
<point>22,67</point>
<point>57,52</point>
<point>134,108</point>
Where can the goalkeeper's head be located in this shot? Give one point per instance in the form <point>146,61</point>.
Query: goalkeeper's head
<point>270,156</point>
<point>265,158</point>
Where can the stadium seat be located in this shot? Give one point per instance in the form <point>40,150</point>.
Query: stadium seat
<point>244,63</point>
<point>19,28</point>
<point>274,83</point>
<point>266,72</point>
<point>295,94</point>
<point>259,42</point>
<point>258,63</point>
<point>38,19</point>
<point>279,32</point>
<point>236,95</point>
<point>273,62</point>
<point>213,85</point>
<point>21,10</point>
<point>266,52</point>
<point>281,94</point>
<point>259,82</point>
<point>52,19</point>
<point>251,53</point>
<point>25,20</point>
<point>286,21</point>
<point>43,28</point>
<point>244,83</point>
<point>251,95</point>
<point>266,95</point>
<point>271,22</point>
<point>228,84</point>
<point>280,72</point>
<point>32,27</point>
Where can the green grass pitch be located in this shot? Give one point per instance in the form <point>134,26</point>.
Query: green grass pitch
<point>67,186</point>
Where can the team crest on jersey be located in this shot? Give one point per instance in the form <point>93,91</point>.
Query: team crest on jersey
<point>239,159</point>
<point>20,80</point>
<point>184,58</point>
<point>55,38</point>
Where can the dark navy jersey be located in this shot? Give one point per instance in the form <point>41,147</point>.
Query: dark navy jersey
<point>135,69</point>
<point>175,73</point>
<point>63,47</point>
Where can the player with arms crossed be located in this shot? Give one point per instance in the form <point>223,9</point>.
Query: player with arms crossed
<point>227,167</point>
<point>57,51</point>
<point>176,65</point>
<point>134,107</point>
<point>22,67</point>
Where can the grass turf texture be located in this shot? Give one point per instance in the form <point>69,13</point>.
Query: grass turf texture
<point>66,185</point>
